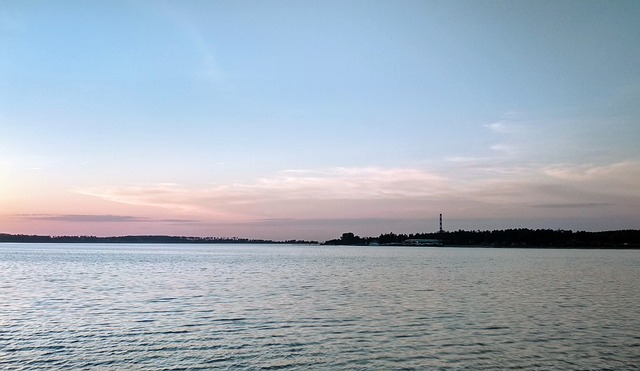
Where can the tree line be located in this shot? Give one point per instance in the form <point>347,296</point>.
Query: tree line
<point>522,237</point>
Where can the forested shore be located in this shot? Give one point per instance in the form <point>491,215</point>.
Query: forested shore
<point>521,237</point>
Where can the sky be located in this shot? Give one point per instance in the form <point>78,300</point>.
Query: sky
<point>308,119</point>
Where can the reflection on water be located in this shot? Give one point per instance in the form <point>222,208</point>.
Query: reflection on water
<point>257,306</point>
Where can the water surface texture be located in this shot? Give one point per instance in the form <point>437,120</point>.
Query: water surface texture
<point>291,307</point>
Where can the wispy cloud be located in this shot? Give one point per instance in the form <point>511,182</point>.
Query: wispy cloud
<point>179,221</point>
<point>622,178</point>
<point>504,148</point>
<point>574,205</point>
<point>207,67</point>
<point>397,193</point>
<point>79,218</point>
<point>354,183</point>
<point>586,172</point>
<point>291,189</point>
<point>511,123</point>
<point>509,132</point>
<point>499,127</point>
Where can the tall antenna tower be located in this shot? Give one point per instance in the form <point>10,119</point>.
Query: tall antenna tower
<point>441,224</point>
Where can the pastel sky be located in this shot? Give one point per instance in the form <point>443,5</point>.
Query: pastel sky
<point>307,119</point>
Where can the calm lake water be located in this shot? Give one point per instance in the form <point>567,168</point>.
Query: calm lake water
<point>193,307</point>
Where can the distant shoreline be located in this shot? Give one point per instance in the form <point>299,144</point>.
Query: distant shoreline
<point>142,239</point>
<point>513,238</point>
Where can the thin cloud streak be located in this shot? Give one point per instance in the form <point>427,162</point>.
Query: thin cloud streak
<point>79,218</point>
<point>85,218</point>
<point>575,205</point>
<point>339,183</point>
<point>300,194</point>
<point>208,67</point>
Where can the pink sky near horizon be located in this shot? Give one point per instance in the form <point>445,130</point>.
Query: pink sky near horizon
<point>322,205</point>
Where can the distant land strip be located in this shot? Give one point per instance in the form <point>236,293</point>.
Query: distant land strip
<point>521,237</point>
<point>21,238</point>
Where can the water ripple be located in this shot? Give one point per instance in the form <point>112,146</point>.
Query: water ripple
<point>256,307</point>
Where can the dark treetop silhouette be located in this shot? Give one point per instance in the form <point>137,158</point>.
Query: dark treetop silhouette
<point>522,237</point>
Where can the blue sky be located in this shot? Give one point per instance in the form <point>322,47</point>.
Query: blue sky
<point>306,119</point>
